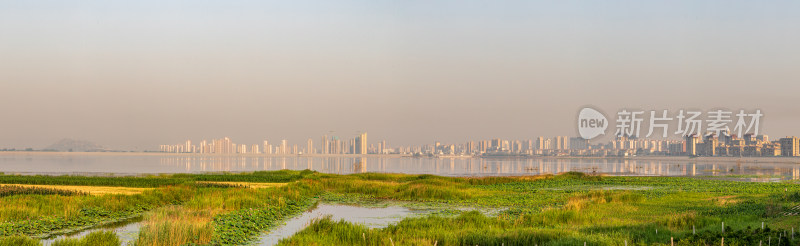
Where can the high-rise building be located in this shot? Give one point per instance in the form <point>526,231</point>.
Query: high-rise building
<point>547,144</point>
<point>360,147</point>
<point>497,144</point>
<point>558,142</point>
<point>578,143</point>
<point>254,149</point>
<point>789,146</point>
<point>223,146</point>
<point>710,145</point>
<point>325,145</point>
<point>564,142</point>
<point>516,146</point>
<point>284,148</point>
<point>310,147</point>
<point>691,145</point>
<point>204,148</point>
<point>540,143</point>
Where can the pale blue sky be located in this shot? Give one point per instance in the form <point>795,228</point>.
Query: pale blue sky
<point>141,73</point>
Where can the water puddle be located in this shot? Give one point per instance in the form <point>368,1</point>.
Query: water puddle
<point>370,217</point>
<point>127,231</point>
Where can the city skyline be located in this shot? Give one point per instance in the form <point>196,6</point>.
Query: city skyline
<point>131,75</point>
<point>710,144</point>
<point>414,122</point>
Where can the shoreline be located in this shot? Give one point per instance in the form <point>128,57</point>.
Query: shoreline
<point>701,159</point>
<point>47,153</point>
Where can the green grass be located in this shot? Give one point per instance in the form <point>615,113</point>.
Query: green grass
<point>144,182</point>
<point>566,209</point>
<point>12,190</point>
<point>281,176</point>
<point>155,181</point>
<point>18,241</point>
<point>37,215</point>
<point>98,238</point>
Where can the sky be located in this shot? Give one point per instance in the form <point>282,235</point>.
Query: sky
<point>136,74</point>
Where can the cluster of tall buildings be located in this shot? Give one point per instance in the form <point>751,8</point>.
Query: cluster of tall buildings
<point>328,145</point>
<point>748,145</point>
<point>707,145</point>
<point>226,146</point>
<point>497,146</point>
<point>357,145</point>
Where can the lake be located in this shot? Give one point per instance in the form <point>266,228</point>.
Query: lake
<point>767,169</point>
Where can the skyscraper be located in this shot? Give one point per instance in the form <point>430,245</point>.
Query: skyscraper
<point>325,145</point>
<point>284,148</point>
<point>789,146</point>
<point>691,145</point>
<point>188,147</point>
<point>254,149</point>
<point>561,142</point>
<point>497,144</point>
<point>361,144</point>
<point>540,143</point>
<point>578,143</point>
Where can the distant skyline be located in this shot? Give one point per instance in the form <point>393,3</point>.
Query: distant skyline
<point>133,75</point>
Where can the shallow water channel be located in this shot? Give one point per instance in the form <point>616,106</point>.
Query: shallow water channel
<point>377,217</point>
<point>372,217</point>
<point>127,231</point>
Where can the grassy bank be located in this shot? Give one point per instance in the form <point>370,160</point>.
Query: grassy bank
<point>567,209</point>
<point>571,209</point>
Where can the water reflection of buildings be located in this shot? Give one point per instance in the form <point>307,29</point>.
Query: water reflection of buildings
<point>339,165</point>
<point>479,166</point>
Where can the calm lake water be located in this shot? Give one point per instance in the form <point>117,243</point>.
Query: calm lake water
<point>131,164</point>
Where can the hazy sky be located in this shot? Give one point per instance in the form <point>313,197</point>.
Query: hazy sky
<point>136,74</point>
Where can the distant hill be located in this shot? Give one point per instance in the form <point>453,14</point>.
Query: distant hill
<point>74,145</point>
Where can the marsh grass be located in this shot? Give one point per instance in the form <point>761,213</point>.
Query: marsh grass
<point>565,209</point>
<point>154,181</point>
<point>470,228</point>
<point>175,225</point>
<point>402,187</point>
<point>97,238</point>
<point>39,215</point>
<point>221,184</point>
<point>148,182</point>
<point>281,176</point>
<point>77,190</point>
<point>227,212</point>
<point>12,190</point>
<point>19,241</point>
